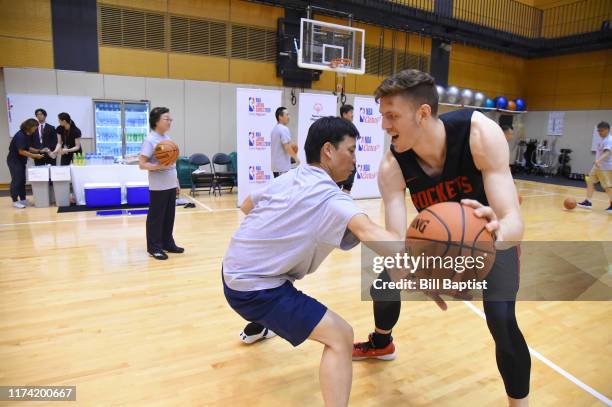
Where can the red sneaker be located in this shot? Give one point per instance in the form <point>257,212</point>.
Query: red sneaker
<point>367,350</point>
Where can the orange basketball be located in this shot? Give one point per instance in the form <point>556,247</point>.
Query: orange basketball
<point>569,203</point>
<point>166,152</point>
<point>452,232</point>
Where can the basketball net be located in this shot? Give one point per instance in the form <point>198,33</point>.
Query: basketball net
<point>337,64</point>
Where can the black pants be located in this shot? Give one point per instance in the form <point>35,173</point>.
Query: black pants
<point>17,169</point>
<point>160,220</point>
<point>511,351</point>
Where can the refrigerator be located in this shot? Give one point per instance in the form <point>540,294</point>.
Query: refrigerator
<point>121,126</point>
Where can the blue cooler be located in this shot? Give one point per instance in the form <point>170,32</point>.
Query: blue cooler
<point>137,193</point>
<point>99,194</point>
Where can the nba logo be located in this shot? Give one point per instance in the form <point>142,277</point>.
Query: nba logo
<point>362,113</point>
<point>251,104</point>
<point>251,139</point>
<point>361,144</point>
<point>251,173</point>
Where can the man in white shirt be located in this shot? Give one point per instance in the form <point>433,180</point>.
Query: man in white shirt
<point>290,228</point>
<point>602,169</point>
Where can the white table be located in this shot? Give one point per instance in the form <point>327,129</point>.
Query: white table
<point>122,174</point>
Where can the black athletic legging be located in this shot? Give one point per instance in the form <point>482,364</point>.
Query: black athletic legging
<point>511,352</point>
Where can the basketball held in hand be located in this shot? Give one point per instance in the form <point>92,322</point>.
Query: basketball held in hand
<point>166,152</point>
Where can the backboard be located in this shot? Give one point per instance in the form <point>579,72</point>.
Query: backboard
<point>321,43</point>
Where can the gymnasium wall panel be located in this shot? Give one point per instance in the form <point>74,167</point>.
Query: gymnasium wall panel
<point>210,9</point>
<point>80,84</point>
<point>28,19</point>
<point>169,93</point>
<point>152,5</point>
<point>202,117</point>
<point>127,61</point>
<point>124,87</point>
<point>196,67</point>
<point>19,52</point>
<point>36,81</point>
<point>256,73</point>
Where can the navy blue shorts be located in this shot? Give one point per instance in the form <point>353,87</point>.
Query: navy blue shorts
<point>285,310</point>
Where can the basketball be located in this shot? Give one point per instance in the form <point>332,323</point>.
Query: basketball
<point>454,233</point>
<point>569,203</point>
<point>166,152</point>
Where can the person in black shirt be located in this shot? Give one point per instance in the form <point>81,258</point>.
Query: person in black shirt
<point>46,139</point>
<point>19,151</point>
<point>71,138</point>
<point>460,156</point>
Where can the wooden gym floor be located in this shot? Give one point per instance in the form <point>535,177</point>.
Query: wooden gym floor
<point>82,304</point>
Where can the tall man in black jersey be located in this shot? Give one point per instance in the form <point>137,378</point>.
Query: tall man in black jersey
<point>460,156</point>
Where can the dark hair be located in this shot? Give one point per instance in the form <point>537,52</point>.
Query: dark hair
<point>506,127</point>
<point>413,84</point>
<point>603,125</point>
<point>155,116</point>
<point>41,110</point>
<point>65,117</point>
<point>279,112</point>
<point>327,130</point>
<point>28,124</point>
<point>344,109</point>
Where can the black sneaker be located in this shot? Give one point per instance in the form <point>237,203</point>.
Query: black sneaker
<point>586,204</point>
<point>159,255</point>
<point>609,210</point>
<point>175,249</point>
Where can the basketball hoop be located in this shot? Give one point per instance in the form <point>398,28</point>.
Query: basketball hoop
<point>339,64</point>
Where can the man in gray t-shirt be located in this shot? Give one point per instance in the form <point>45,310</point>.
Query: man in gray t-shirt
<point>282,147</point>
<point>163,188</point>
<point>290,228</point>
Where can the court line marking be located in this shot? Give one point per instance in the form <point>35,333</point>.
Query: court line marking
<point>42,222</point>
<point>552,365</point>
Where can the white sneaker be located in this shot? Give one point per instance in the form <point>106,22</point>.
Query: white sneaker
<point>25,202</point>
<point>18,205</point>
<point>249,339</point>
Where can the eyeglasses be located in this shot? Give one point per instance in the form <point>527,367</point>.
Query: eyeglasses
<point>168,119</point>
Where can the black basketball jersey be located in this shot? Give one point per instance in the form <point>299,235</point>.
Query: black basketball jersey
<point>460,179</point>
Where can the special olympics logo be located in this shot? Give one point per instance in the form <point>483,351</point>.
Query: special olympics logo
<point>318,107</point>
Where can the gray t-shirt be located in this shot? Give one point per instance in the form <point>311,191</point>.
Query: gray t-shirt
<point>163,179</point>
<point>281,161</point>
<point>297,220</point>
<point>602,146</point>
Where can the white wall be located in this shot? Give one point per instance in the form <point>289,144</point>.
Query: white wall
<point>577,134</point>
